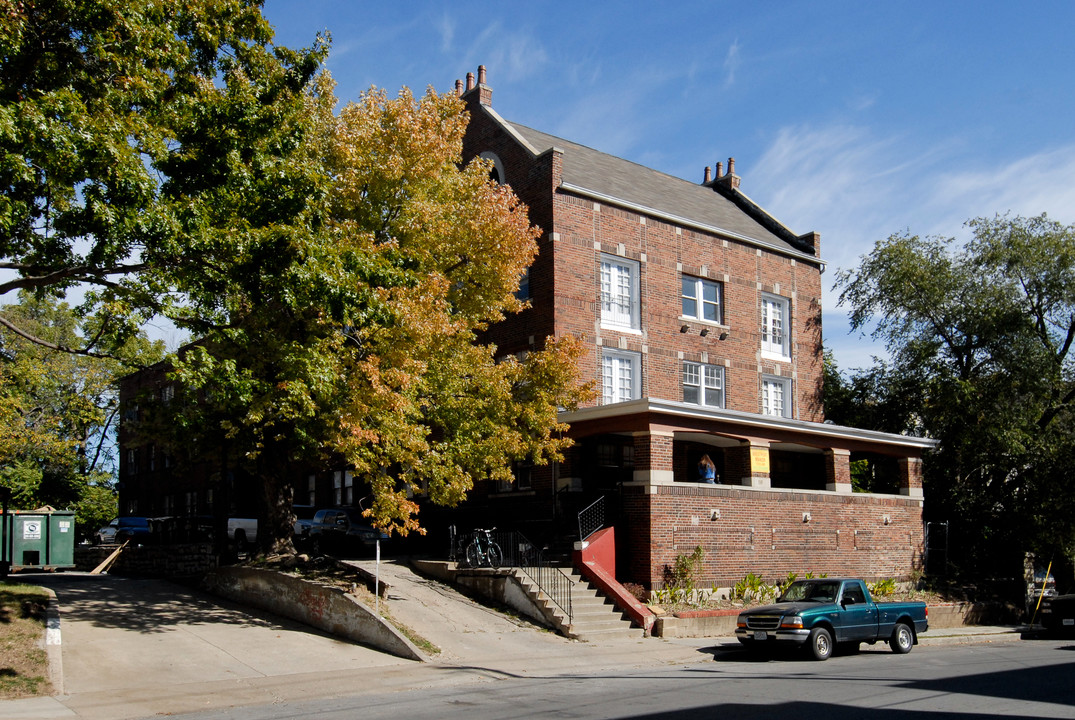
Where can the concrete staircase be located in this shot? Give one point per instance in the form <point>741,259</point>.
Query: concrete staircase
<point>594,617</point>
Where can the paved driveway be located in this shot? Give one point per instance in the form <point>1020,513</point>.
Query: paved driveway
<point>132,647</point>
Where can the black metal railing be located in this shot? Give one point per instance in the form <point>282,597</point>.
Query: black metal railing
<point>551,580</point>
<point>519,552</point>
<point>592,518</point>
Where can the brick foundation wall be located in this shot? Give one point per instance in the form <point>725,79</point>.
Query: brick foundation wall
<point>762,531</point>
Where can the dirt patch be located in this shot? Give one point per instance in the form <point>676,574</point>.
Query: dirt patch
<point>24,665</point>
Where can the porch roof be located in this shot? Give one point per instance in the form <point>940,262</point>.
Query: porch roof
<point>634,415</point>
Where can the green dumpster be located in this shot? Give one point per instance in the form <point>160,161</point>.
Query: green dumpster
<point>42,539</point>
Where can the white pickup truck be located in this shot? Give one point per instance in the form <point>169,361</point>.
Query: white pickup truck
<point>243,532</point>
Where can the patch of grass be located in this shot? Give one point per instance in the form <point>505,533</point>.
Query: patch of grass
<point>23,661</point>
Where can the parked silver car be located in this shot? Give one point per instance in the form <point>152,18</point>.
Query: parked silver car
<point>107,534</point>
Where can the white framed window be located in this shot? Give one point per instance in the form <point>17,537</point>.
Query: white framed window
<point>776,396</point>
<point>775,323</point>
<point>621,376</point>
<point>620,306</point>
<point>702,299</point>
<point>703,384</point>
<point>167,394</point>
<point>343,487</point>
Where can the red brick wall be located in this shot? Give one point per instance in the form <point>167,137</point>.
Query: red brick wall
<point>565,286</point>
<point>763,532</point>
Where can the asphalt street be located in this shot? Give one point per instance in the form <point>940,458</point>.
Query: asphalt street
<point>134,648</point>
<point>1030,679</point>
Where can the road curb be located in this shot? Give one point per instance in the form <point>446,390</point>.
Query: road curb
<point>53,643</point>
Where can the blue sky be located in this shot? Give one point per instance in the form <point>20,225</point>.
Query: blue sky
<point>852,119</point>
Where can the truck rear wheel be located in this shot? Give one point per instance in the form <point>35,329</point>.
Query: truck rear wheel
<point>902,639</point>
<point>820,644</point>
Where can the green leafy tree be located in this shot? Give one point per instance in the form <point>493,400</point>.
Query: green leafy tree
<point>980,337</point>
<point>146,148</point>
<point>58,413</point>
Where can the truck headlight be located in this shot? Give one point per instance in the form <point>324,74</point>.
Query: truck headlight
<point>794,623</point>
<point>741,622</point>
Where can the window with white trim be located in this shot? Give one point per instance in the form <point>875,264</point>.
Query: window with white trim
<point>620,306</point>
<point>621,377</point>
<point>343,487</point>
<point>702,299</point>
<point>703,384</point>
<point>775,324</point>
<point>776,396</point>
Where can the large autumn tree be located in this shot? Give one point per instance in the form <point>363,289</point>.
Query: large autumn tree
<point>980,335</point>
<point>364,350</point>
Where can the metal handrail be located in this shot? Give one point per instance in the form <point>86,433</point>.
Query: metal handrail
<point>592,518</point>
<point>550,580</point>
<point>518,552</point>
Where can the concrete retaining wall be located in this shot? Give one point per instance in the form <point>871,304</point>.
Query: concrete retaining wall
<point>326,608</point>
<point>501,586</point>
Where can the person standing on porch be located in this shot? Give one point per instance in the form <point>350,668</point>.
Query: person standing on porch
<point>707,471</point>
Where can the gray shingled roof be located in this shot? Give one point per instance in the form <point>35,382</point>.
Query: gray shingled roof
<point>643,187</point>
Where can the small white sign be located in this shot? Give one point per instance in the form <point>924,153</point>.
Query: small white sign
<point>31,530</point>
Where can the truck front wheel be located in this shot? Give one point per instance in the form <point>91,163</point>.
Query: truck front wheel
<point>820,643</point>
<point>902,639</point>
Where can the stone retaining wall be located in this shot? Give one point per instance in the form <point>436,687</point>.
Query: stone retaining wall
<point>174,561</point>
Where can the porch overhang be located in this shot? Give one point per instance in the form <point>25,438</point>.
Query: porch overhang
<point>648,415</point>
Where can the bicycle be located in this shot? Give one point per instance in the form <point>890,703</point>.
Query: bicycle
<point>483,550</point>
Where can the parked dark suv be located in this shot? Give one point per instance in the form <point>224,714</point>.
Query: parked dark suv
<point>135,529</point>
<point>341,531</point>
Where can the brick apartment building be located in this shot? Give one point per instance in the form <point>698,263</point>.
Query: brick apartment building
<point>702,315</point>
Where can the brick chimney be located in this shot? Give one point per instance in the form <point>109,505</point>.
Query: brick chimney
<point>730,180</point>
<point>484,92</point>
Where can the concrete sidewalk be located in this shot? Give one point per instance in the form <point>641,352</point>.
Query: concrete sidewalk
<point>134,648</point>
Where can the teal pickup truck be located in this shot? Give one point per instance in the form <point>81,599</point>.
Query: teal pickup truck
<point>825,612</point>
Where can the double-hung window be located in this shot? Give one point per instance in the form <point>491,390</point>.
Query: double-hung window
<point>776,396</point>
<point>621,376</point>
<point>620,307</point>
<point>702,299</point>
<point>775,314</point>
<point>703,384</point>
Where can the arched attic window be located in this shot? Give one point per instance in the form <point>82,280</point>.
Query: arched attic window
<point>496,173</point>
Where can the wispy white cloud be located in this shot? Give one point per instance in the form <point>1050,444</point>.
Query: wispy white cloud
<point>731,63</point>
<point>445,27</point>
<point>516,54</point>
<point>856,188</point>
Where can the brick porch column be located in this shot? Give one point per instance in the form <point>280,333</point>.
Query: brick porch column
<point>748,464</point>
<point>911,477</point>
<point>653,458</point>
<point>838,470</point>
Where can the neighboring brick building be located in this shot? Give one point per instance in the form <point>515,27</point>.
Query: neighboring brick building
<point>702,315</point>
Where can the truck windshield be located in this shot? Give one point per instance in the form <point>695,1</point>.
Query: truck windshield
<point>810,590</point>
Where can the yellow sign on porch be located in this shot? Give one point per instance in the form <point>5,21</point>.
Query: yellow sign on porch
<point>759,460</point>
